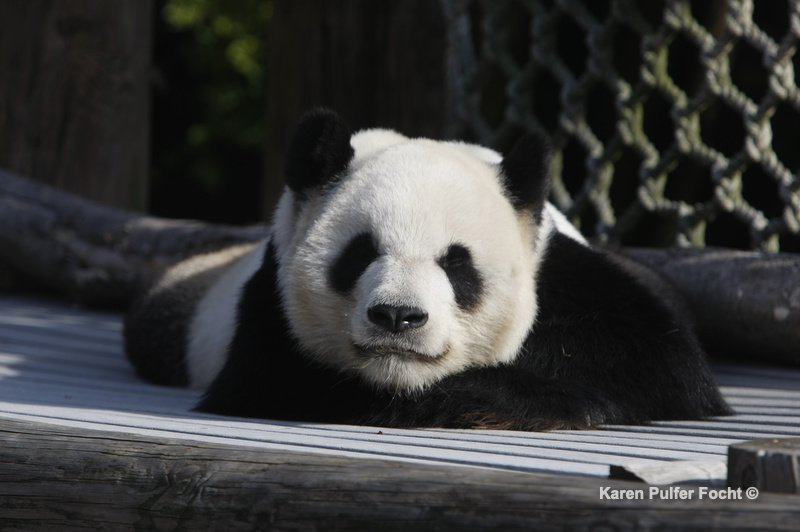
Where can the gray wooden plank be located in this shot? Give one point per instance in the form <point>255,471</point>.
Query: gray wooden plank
<point>739,401</point>
<point>327,445</point>
<point>126,383</point>
<point>49,339</point>
<point>116,372</point>
<point>265,431</point>
<point>157,483</point>
<point>51,371</point>
<point>742,422</point>
<point>92,400</point>
<point>143,401</point>
<point>751,390</point>
<point>43,325</point>
<point>770,410</point>
<point>712,430</point>
<point>69,360</point>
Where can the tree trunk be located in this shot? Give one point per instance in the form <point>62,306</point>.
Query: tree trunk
<point>74,97</point>
<point>376,63</point>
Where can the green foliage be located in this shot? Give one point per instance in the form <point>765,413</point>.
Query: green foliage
<point>209,106</point>
<point>235,27</point>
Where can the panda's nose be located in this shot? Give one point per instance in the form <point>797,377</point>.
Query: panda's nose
<point>397,318</point>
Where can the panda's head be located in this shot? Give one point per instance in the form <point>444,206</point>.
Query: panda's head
<point>406,260</point>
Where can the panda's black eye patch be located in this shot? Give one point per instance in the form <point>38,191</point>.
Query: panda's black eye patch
<point>457,256</point>
<point>351,263</point>
<point>464,277</point>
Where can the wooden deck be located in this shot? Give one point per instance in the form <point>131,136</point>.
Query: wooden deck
<point>74,416</point>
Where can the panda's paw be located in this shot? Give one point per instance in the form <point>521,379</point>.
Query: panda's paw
<point>550,409</point>
<point>483,420</point>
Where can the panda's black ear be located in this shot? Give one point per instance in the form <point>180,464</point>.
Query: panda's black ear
<point>319,150</point>
<point>526,169</point>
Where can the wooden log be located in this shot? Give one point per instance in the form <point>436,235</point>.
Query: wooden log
<point>769,465</point>
<point>746,303</point>
<point>91,253</point>
<point>58,478</point>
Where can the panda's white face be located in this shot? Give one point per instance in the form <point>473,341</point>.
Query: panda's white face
<point>412,266</point>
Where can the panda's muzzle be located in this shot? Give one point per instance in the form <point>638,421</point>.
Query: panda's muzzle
<point>397,318</point>
<point>396,329</point>
<point>386,351</point>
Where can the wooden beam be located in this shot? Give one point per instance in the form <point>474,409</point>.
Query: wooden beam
<point>769,465</point>
<point>746,303</point>
<point>59,478</point>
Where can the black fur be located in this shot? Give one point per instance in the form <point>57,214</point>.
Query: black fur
<point>463,276</point>
<point>610,344</point>
<point>319,151</point>
<point>526,169</point>
<point>604,350</point>
<point>266,375</point>
<point>158,323</point>
<point>351,263</point>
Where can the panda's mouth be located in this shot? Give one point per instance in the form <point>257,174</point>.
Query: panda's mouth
<point>389,351</point>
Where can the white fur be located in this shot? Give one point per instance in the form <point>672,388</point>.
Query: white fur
<point>198,264</point>
<point>369,141</point>
<point>213,323</point>
<point>416,196</point>
<point>562,225</point>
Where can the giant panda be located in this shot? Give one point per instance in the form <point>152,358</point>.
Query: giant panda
<point>410,282</point>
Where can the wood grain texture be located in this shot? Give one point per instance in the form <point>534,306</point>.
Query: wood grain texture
<point>86,446</point>
<point>379,64</point>
<point>746,303</point>
<point>65,365</point>
<point>769,465</point>
<point>55,478</point>
<point>75,95</point>
<point>91,252</point>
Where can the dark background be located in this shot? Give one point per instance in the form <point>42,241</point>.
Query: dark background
<point>182,108</point>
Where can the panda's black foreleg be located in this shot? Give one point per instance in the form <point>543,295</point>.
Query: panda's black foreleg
<point>266,375</point>
<point>611,345</point>
<point>504,398</point>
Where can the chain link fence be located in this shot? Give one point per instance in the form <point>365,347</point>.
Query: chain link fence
<point>673,122</point>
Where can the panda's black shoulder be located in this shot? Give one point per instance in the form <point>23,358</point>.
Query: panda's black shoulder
<point>266,374</point>
<point>609,345</point>
<point>609,324</point>
<point>580,282</point>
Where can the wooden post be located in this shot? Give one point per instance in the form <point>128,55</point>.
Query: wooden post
<point>74,95</point>
<point>379,64</point>
<point>769,465</point>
